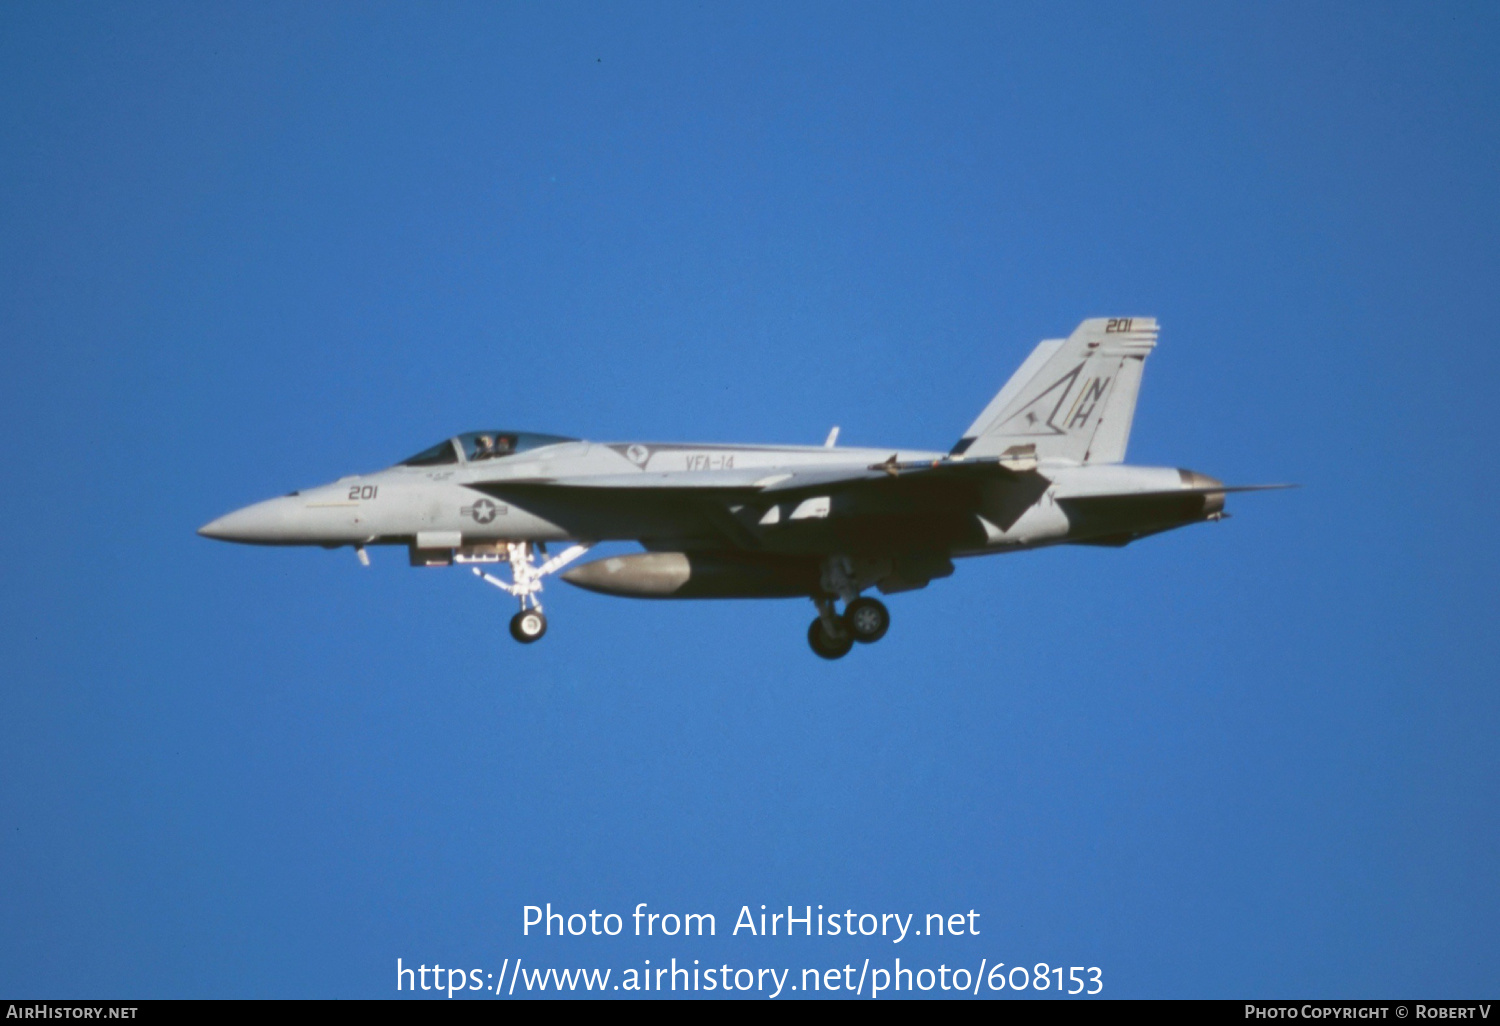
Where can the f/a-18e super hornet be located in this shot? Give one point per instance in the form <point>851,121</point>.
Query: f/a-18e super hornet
<point>1041,465</point>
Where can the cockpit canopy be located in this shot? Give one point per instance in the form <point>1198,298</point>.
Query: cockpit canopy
<point>477,446</point>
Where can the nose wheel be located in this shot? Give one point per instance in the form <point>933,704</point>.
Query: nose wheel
<point>528,625</point>
<point>832,636</point>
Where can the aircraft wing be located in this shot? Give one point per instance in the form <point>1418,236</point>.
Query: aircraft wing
<point>729,506</point>
<point>777,483</point>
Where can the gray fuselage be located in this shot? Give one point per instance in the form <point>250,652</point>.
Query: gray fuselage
<point>577,490</point>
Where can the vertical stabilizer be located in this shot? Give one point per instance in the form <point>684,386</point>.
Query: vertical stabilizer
<point>1072,399</point>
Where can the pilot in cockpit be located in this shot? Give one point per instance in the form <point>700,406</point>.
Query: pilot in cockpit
<point>504,445</point>
<point>484,447</point>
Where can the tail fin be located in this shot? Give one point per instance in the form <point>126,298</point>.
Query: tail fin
<point>1072,399</point>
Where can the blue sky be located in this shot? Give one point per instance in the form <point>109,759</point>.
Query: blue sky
<point>248,248</point>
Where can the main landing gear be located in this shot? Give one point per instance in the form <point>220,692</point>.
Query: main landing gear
<point>832,636</point>
<point>864,620</point>
<point>526,585</point>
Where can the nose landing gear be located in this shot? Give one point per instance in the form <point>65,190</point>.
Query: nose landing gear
<point>526,585</point>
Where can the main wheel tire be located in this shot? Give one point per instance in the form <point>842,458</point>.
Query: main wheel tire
<point>528,625</point>
<point>825,646</point>
<point>866,620</point>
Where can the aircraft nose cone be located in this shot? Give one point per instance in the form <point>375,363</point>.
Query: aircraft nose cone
<point>264,522</point>
<point>215,529</point>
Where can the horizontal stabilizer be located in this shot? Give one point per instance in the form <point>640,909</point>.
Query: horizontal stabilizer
<point>1118,518</point>
<point>1218,489</point>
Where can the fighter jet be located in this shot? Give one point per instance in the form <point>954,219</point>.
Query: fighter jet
<point>1042,464</point>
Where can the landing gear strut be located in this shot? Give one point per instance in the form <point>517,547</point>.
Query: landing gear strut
<point>526,585</point>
